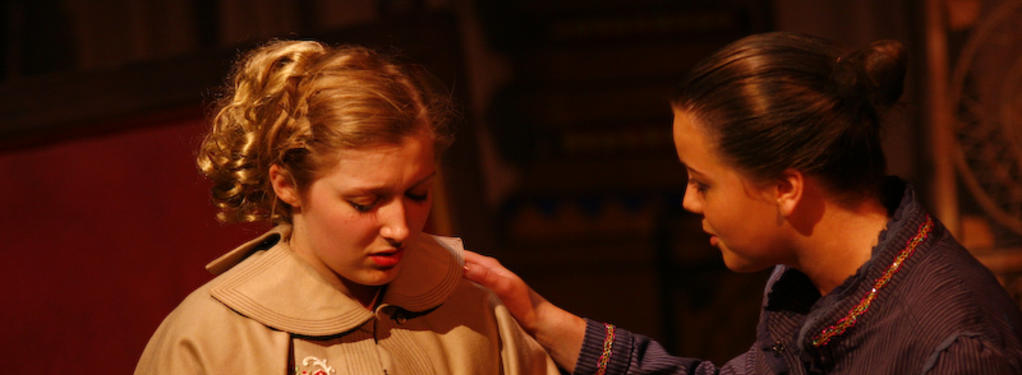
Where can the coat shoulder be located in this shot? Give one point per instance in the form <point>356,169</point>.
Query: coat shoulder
<point>202,336</point>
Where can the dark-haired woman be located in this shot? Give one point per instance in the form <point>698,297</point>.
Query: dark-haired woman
<point>779,133</point>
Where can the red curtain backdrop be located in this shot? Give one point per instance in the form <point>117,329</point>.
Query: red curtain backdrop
<point>101,238</point>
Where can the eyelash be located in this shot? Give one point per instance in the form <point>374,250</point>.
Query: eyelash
<point>361,207</point>
<point>699,186</point>
<point>368,207</point>
<point>417,197</point>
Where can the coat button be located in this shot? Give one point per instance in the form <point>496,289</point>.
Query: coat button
<point>777,348</point>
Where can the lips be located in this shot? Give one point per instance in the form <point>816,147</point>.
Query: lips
<point>388,258</point>
<point>714,241</point>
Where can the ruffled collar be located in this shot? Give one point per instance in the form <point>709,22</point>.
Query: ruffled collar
<point>792,292</point>
<point>265,281</point>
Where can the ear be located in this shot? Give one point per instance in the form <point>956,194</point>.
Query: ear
<point>789,189</point>
<point>284,186</point>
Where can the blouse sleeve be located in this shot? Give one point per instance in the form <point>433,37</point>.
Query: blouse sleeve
<point>611,350</point>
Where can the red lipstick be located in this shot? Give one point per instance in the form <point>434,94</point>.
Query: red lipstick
<point>387,259</point>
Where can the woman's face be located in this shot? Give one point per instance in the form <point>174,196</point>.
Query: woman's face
<point>740,217</point>
<point>356,219</point>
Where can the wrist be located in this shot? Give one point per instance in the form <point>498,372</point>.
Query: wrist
<point>561,333</point>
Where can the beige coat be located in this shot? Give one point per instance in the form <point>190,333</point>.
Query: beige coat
<point>268,312</point>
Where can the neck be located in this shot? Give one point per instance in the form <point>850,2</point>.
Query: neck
<point>840,242</point>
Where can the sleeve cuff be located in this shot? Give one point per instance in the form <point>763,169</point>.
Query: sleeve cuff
<point>604,350</point>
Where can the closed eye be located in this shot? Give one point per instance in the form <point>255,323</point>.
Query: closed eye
<point>699,186</point>
<point>694,182</point>
<point>362,206</point>
<point>418,197</point>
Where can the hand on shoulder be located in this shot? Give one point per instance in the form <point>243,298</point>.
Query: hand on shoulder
<point>559,331</point>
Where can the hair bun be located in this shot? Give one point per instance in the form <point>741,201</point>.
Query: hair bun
<point>875,73</point>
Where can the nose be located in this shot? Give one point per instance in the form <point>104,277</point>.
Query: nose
<point>393,219</point>
<point>692,202</point>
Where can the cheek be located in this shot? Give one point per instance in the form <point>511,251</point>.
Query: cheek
<point>749,225</point>
<point>345,225</point>
<point>359,226</point>
<point>339,216</point>
<point>417,214</point>
<point>731,218</point>
<point>715,211</point>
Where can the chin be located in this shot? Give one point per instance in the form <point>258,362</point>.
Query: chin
<point>380,277</point>
<point>741,265</point>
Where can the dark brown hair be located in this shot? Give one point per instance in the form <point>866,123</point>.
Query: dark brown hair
<point>784,100</point>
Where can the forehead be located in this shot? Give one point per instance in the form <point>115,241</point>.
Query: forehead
<point>411,148</point>
<point>690,140</point>
<point>413,157</point>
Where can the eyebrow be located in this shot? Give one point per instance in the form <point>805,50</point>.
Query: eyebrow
<point>379,190</point>
<point>694,171</point>
<point>424,179</point>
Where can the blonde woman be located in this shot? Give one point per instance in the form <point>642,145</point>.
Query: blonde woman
<point>337,146</point>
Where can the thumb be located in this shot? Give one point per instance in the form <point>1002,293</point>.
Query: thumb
<point>475,273</point>
<point>490,274</point>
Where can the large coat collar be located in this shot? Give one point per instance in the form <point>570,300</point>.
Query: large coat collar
<point>265,281</point>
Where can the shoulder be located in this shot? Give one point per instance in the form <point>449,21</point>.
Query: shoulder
<point>475,306</point>
<point>202,335</point>
<point>955,301</point>
<point>941,272</point>
<point>471,302</point>
<point>970,354</point>
<point>200,315</point>
<point>947,275</point>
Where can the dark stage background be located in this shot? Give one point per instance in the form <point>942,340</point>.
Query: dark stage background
<point>563,167</point>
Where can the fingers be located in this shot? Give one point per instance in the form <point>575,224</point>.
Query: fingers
<point>474,268</point>
<point>473,257</point>
<point>488,272</point>
<point>559,331</point>
<point>519,299</point>
<point>490,263</point>
<point>478,273</point>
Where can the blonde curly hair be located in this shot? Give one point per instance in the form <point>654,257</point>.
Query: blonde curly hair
<point>295,104</point>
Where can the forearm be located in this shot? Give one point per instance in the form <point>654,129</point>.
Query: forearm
<point>559,332</point>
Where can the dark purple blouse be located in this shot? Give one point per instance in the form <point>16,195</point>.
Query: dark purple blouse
<point>921,305</point>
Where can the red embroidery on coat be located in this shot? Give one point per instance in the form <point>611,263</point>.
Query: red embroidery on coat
<point>323,367</point>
